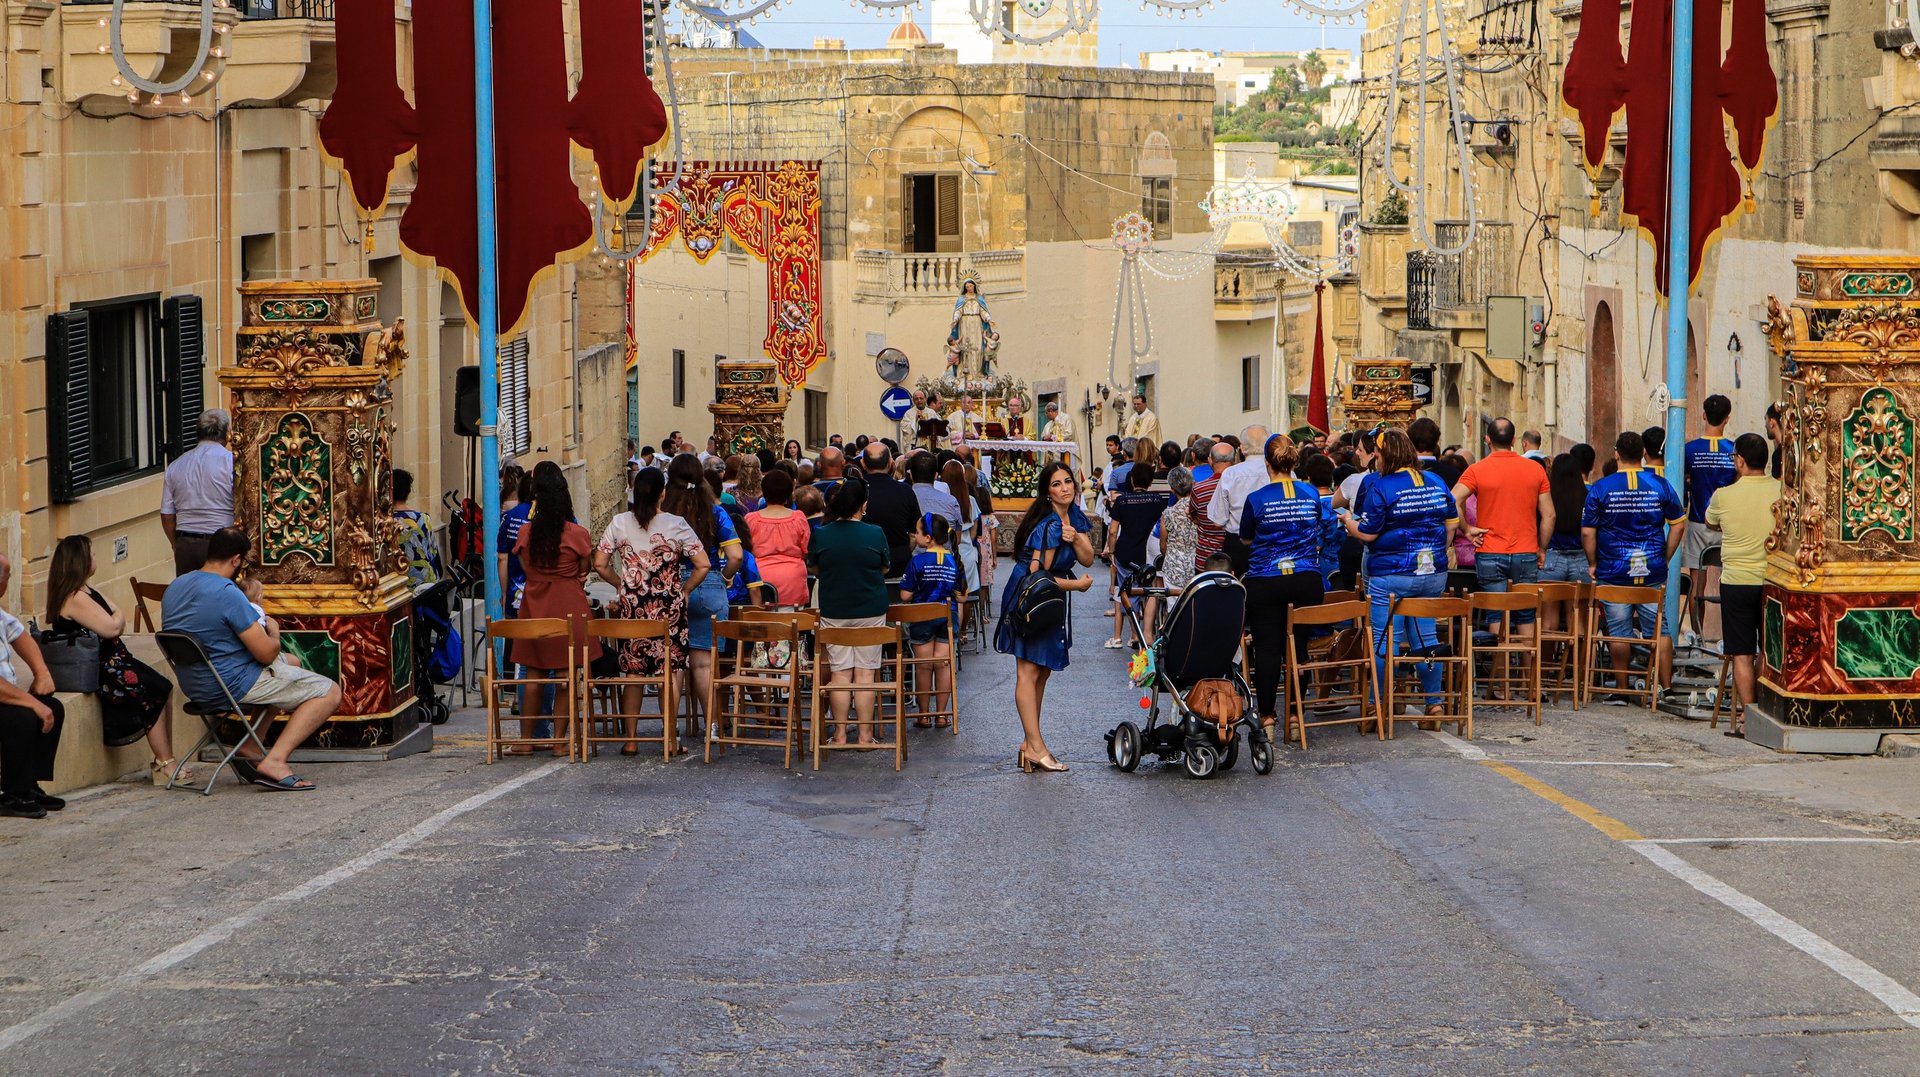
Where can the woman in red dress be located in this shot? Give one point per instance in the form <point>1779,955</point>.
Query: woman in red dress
<point>557,555</point>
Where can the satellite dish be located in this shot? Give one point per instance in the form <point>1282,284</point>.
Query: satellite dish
<point>891,364</point>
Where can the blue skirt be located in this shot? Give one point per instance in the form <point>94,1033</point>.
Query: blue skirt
<point>1049,649</point>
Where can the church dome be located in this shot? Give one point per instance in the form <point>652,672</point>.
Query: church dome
<point>907,35</point>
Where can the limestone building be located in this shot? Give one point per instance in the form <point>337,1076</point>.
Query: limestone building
<point>145,216</point>
<point>933,169</point>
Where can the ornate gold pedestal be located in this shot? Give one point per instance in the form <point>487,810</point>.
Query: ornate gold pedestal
<point>749,407</point>
<point>312,423</point>
<point>1380,391</point>
<point>1840,631</point>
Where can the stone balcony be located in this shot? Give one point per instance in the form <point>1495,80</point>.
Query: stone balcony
<point>891,276</point>
<point>1383,264</point>
<point>1246,287</point>
<point>266,51</point>
<point>161,42</point>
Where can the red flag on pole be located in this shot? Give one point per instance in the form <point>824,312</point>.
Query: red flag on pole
<point>1317,386</point>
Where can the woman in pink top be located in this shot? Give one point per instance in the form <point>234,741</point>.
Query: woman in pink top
<point>780,537</point>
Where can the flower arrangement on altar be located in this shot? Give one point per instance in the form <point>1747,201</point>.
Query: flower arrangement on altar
<point>992,387</point>
<point>1014,475</point>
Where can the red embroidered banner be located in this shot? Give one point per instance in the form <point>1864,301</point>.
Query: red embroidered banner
<point>1737,88</point>
<point>772,210</point>
<point>614,115</point>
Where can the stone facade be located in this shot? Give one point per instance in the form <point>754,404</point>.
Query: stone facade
<point>110,202</point>
<point>1039,162</point>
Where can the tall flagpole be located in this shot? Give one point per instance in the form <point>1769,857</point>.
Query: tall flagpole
<point>1679,268</point>
<point>487,303</point>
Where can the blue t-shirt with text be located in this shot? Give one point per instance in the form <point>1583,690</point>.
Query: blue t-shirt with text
<point>1709,467</point>
<point>934,575</point>
<point>1629,511</point>
<point>1409,511</point>
<point>1281,524</point>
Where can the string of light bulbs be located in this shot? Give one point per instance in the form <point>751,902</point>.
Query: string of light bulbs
<point>1428,68</point>
<point>197,71</point>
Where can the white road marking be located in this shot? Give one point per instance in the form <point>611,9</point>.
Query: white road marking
<point>1904,1003</point>
<point>246,918</point>
<point>1460,747</point>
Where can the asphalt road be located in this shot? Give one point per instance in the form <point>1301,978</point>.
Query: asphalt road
<point>1397,908</point>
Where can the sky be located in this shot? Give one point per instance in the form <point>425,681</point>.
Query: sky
<point>1125,30</point>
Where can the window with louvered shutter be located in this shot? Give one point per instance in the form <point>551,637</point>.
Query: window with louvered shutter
<point>516,435</point>
<point>69,405</point>
<point>947,211</point>
<point>183,372</point>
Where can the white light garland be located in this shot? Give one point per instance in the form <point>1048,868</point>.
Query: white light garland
<point>206,50</point>
<point>1427,66</point>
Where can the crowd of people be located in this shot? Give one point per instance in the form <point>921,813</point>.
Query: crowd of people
<point>864,523</point>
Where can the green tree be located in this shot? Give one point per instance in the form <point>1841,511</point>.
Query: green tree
<point>1313,69</point>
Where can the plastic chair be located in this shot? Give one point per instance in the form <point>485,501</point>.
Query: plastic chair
<point>566,727</point>
<point>1453,654</point>
<point>1598,641</point>
<point>749,705</point>
<point>144,593</point>
<point>1351,679</point>
<point>1559,647</point>
<point>606,697</point>
<point>921,613</point>
<point>1513,645</point>
<point>860,637</point>
<point>183,651</point>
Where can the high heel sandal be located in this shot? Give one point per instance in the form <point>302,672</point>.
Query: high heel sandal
<point>1046,763</point>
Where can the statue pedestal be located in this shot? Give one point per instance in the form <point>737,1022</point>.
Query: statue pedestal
<point>1380,391</point>
<point>749,410</point>
<point>1840,627</point>
<point>312,428</point>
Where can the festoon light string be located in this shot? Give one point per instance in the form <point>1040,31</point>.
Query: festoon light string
<point>197,70</point>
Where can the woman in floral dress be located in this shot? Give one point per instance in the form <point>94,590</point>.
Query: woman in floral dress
<point>641,553</point>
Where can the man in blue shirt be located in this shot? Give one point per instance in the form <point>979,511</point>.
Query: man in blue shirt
<point>244,650</point>
<point>1710,466</point>
<point>1631,525</point>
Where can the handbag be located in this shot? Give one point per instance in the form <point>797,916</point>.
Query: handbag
<point>72,658</point>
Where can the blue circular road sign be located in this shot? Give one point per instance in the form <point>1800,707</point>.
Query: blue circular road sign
<point>896,402</point>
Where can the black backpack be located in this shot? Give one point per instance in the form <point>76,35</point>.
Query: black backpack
<point>1038,606</point>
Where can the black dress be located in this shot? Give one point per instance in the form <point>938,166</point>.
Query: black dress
<point>133,695</point>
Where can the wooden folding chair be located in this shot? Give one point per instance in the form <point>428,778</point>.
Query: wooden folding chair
<point>1513,647</point>
<point>183,651</point>
<point>1346,683</point>
<point>1451,648</point>
<point>1601,665</point>
<point>617,702</point>
<point>1560,666</point>
<point>1720,695</point>
<point>823,716</point>
<point>565,726</point>
<point>906,614</point>
<point>804,622</point>
<point>144,593</point>
<point>751,705</point>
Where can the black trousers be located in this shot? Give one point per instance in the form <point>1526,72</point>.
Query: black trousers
<point>189,552</point>
<point>1267,600</point>
<point>1237,551</point>
<point>26,754</point>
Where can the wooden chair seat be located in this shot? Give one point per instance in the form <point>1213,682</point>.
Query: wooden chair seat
<point>894,686</point>
<point>924,613</point>
<point>1512,648</point>
<point>1600,666</point>
<point>1451,649</point>
<point>565,724</point>
<point>1345,683</point>
<point>748,706</point>
<point>615,703</point>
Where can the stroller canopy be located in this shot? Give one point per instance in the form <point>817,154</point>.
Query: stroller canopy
<point>1202,638</point>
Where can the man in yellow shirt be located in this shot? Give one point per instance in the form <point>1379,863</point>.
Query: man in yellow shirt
<point>1743,514</point>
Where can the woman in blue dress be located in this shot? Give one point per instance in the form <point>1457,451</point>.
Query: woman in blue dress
<point>1053,537</point>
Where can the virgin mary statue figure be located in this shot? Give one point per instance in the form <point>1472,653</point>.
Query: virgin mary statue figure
<point>972,342</point>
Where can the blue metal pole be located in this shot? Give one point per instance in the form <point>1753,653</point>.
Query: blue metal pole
<point>487,302</point>
<point>1679,267</point>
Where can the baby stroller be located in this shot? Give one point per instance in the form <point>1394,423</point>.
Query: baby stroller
<point>436,644</point>
<point>1195,662</point>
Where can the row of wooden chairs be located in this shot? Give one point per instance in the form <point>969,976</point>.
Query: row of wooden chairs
<point>1522,669</point>
<point>762,693</point>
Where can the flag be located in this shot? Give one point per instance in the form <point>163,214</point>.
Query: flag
<point>1317,384</point>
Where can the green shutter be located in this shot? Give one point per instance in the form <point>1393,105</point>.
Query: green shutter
<point>69,405</point>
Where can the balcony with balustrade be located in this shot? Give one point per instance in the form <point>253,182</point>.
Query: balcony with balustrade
<point>890,276</point>
<point>1246,287</point>
<point>1449,291</point>
<point>260,52</point>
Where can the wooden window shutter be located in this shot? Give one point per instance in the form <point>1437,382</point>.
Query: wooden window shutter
<point>947,210</point>
<point>516,436</point>
<point>183,370</point>
<point>69,405</point>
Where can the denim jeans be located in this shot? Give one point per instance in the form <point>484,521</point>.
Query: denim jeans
<point>1631,619</point>
<point>1407,631</point>
<point>1496,571</point>
<point>1567,566</point>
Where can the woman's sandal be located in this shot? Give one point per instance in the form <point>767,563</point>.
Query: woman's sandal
<point>161,772</point>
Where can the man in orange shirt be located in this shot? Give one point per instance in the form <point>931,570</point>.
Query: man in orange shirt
<point>1515,513</point>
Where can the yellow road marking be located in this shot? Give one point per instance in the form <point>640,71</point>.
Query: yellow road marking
<point>1586,813</point>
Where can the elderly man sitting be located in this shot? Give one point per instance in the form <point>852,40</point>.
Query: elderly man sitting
<point>30,719</point>
<point>244,647</point>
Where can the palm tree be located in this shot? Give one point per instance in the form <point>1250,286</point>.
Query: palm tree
<point>1313,69</point>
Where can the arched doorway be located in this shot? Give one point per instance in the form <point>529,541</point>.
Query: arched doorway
<point>1603,379</point>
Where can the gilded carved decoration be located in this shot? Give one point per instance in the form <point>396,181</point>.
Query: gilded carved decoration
<point>293,355</point>
<point>1878,450</point>
<point>296,493</point>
